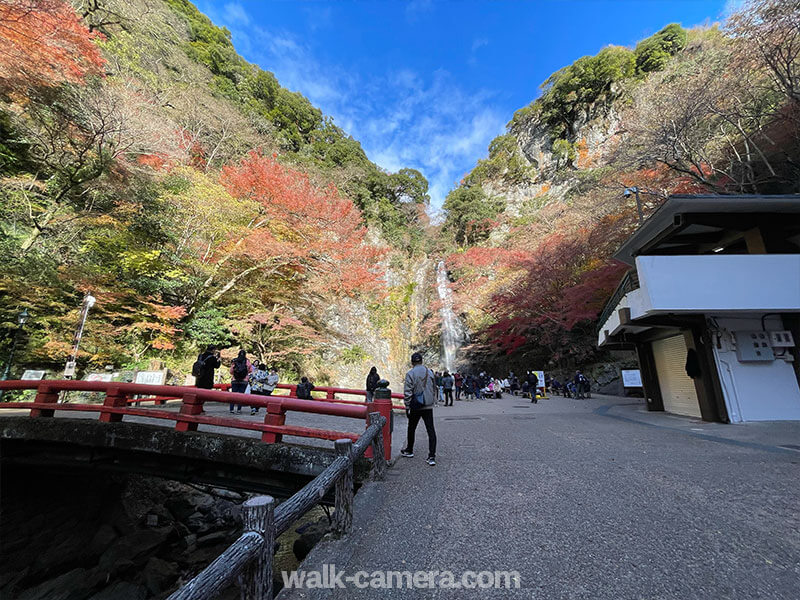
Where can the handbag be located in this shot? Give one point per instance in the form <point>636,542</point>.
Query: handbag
<point>418,400</point>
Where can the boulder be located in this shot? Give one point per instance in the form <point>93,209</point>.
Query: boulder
<point>159,575</point>
<point>309,536</point>
<point>121,590</point>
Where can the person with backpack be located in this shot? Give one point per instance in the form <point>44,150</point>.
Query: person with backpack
<point>372,383</point>
<point>533,383</point>
<point>419,397</point>
<point>203,368</point>
<point>241,369</point>
<point>304,389</point>
<point>447,388</point>
<point>258,383</point>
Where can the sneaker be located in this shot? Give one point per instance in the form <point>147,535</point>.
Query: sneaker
<point>231,411</point>
<point>407,453</point>
<point>431,461</point>
<point>252,411</point>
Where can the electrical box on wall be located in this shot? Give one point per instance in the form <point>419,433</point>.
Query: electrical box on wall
<point>753,346</point>
<point>781,339</point>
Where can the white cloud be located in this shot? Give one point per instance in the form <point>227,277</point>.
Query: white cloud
<point>236,14</point>
<point>402,118</point>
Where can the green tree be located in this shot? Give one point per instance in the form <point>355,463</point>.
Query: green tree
<point>469,214</point>
<point>653,53</point>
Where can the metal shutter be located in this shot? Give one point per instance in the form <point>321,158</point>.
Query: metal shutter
<point>677,388</point>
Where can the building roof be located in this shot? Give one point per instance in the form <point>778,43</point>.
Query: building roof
<point>689,224</point>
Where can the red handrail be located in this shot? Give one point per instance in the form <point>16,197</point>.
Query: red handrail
<point>190,415</point>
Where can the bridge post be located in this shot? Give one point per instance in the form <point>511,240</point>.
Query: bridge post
<point>276,415</point>
<point>382,403</point>
<point>330,395</point>
<point>46,395</point>
<point>259,517</point>
<point>343,517</point>
<point>114,398</point>
<point>378,458</point>
<point>192,405</point>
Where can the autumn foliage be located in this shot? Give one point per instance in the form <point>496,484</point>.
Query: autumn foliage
<point>301,230</point>
<point>43,43</point>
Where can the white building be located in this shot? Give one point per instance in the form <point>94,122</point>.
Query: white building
<point>714,293</point>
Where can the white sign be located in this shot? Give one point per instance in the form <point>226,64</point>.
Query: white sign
<point>30,375</point>
<point>631,378</point>
<point>540,383</point>
<point>151,377</point>
<point>69,369</point>
<point>106,377</point>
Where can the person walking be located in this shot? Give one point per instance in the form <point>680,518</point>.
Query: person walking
<point>419,397</point>
<point>533,382</point>
<point>205,365</point>
<point>372,383</point>
<point>258,383</point>
<point>241,369</point>
<point>447,387</point>
<point>581,385</point>
<point>459,381</point>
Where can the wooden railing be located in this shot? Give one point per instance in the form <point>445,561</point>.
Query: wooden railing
<point>249,559</point>
<point>117,404</point>
<point>330,395</point>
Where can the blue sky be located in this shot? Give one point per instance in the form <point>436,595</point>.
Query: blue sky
<point>427,84</point>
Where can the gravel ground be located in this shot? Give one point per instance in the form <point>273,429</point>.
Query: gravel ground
<point>584,499</point>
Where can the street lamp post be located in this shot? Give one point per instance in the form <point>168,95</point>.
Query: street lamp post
<point>69,368</point>
<point>635,191</point>
<point>22,318</point>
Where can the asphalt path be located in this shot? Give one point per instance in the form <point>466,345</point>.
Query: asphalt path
<point>582,499</point>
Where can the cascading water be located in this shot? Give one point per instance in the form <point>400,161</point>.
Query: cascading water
<point>452,329</point>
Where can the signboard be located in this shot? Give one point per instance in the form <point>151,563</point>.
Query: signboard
<point>151,377</point>
<point>69,369</point>
<point>540,383</point>
<point>99,377</point>
<point>31,375</point>
<point>631,378</point>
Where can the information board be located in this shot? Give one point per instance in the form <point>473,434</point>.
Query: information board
<point>631,378</point>
<point>151,377</point>
<point>99,377</point>
<point>30,375</point>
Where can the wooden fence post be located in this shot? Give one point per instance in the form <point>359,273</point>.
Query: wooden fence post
<point>276,415</point>
<point>114,398</point>
<point>378,458</point>
<point>343,517</point>
<point>192,405</point>
<point>259,517</point>
<point>46,395</point>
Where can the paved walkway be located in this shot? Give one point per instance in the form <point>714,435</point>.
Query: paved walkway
<point>585,499</point>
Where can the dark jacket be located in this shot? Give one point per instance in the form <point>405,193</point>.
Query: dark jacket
<point>206,378</point>
<point>304,390</point>
<point>372,382</point>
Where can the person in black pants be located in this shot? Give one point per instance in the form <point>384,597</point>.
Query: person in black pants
<point>419,396</point>
<point>447,387</point>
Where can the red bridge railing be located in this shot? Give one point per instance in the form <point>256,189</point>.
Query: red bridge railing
<point>118,397</point>
<point>330,395</point>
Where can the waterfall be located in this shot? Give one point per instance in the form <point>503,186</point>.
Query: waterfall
<point>452,330</point>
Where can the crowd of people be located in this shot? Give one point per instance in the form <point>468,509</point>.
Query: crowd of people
<point>257,378</point>
<point>247,377</point>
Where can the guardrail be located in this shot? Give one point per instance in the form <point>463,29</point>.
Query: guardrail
<point>249,559</point>
<point>116,405</point>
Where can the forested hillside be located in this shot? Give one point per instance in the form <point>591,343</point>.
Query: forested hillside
<point>142,160</point>
<point>531,229</point>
